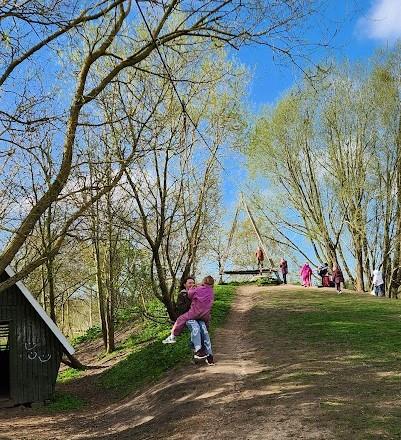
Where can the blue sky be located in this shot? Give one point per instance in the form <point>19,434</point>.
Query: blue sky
<point>361,28</point>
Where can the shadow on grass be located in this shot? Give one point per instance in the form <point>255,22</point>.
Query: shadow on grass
<point>322,373</point>
<point>143,366</point>
<point>329,363</point>
<point>147,362</point>
<point>345,350</point>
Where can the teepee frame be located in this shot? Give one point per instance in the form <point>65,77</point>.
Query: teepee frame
<point>243,204</point>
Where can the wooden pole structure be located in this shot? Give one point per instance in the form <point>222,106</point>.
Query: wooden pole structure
<point>256,230</point>
<point>230,238</point>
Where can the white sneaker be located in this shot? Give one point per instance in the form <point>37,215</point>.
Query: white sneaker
<point>169,340</point>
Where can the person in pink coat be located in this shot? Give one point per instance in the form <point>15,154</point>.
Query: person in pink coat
<point>202,298</point>
<point>306,275</point>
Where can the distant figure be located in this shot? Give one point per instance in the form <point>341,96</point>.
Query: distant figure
<point>259,258</point>
<point>378,283</point>
<point>338,277</point>
<point>284,269</point>
<point>306,275</point>
<point>323,271</point>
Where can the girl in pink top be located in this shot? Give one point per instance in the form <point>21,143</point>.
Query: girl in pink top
<point>306,275</point>
<point>201,304</point>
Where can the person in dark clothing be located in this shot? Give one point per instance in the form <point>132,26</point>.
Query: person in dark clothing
<point>260,256</point>
<point>183,302</point>
<point>338,278</point>
<point>323,271</point>
<point>284,269</point>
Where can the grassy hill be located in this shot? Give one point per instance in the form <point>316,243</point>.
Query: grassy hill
<point>140,358</point>
<point>340,354</point>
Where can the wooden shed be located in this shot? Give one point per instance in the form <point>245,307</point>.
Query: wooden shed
<point>31,346</point>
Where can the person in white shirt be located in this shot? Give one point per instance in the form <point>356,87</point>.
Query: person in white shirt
<point>378,283</point>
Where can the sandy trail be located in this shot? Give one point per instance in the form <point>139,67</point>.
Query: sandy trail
<point>232,400</point>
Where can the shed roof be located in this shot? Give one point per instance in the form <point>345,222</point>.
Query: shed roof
<point>52,326</point>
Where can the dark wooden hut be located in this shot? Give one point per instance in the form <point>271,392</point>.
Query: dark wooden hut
<point>31,346</point>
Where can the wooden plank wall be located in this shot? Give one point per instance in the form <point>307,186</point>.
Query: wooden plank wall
<point>35,352</point>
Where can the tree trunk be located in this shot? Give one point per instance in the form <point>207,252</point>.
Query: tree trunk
<point>90,309</point>
<point>43,276</point>
<point>165,291</point>
<point>367,262</point>
<point>359,282</point>
<point>386,268</point>
<point>110,343</point>
<point>50,284</point>
<point>100,294</point>
<point>112,258</point>
<point>397,238</point>
<point>67,312</point>
<point>397,244</point>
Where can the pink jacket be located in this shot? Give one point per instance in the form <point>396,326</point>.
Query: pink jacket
<point>306,271</point>
<point>202,298</point>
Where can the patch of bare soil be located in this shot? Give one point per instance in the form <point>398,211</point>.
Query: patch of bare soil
<point>233,399</point>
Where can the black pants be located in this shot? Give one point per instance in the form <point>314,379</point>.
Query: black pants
<point>284,278</point>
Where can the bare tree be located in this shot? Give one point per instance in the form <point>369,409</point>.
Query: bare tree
<point>332,150</point>
<point>39,33</point>
<point>175,186</point>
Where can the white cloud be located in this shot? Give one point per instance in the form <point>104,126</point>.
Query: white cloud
<point>382,21</point>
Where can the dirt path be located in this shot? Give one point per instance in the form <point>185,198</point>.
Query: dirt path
<point>231,400</point>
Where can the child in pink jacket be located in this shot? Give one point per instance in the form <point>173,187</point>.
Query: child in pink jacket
<point>201,304</point>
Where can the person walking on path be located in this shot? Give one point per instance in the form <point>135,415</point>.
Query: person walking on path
<point>259,259</point>
<point>378,283</point>
<point>306,275</point>
<point>284,269</point>
<point>338,277</point>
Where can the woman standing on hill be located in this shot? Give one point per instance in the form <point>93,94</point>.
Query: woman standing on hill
<point>378,282</point>
<point>306,275</point>
<point>259,259</point>
<point>338,277</point>
<point>284,269</point>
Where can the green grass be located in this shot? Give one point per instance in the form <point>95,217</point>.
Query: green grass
<point>344,349</point>
<point>367,327</point>
<point>264,281</point>
<point>65,402</point>
<point>68,375</point>
<point>150,358</point>
<point>268,282</point>
<point>90,335</point>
